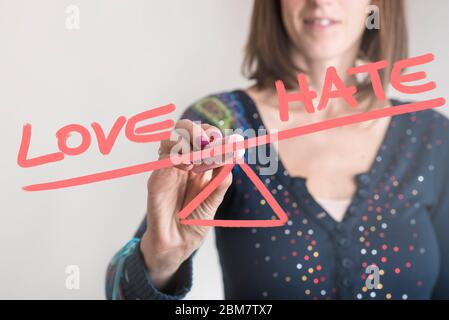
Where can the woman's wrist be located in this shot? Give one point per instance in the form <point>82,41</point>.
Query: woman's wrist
<point>159,270</point>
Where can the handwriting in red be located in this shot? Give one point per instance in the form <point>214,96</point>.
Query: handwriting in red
<point>158,131</point>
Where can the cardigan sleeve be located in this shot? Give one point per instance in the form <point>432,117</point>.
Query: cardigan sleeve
<point>127,275</point>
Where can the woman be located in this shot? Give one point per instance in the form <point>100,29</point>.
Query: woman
<point>367,203</point>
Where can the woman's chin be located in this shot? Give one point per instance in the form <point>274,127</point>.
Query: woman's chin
<point>322,53</point>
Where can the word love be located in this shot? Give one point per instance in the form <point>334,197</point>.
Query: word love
<point>135,130</point>
<point>332,79</point>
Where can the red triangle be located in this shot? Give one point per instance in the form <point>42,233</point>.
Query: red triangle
<point>192,205</point>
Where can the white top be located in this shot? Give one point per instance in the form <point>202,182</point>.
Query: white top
<point>335,208</point>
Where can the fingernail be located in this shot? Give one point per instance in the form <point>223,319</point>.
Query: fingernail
<point>213,136</point>
<point>202,142</point>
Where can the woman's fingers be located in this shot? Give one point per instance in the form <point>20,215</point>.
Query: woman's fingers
<point>213,133</point>
<point>214,137</point>
<point>229,155</point>
<point>193,132</point>
<point>189,136</point>
<point>174,147</point>
<point>186,137</point>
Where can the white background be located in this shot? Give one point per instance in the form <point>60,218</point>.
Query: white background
<point>128,56</point>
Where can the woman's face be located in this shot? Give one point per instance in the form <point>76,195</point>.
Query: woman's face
<point>325,29</point>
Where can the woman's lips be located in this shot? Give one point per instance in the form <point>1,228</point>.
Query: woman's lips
<point>320,23</point>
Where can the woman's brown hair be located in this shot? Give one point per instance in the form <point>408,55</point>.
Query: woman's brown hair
<point>267,57</point>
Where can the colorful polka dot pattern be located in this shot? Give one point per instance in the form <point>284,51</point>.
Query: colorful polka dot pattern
<point>388,226</point>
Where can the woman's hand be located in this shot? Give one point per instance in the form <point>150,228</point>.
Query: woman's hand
<point>167,243</point>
